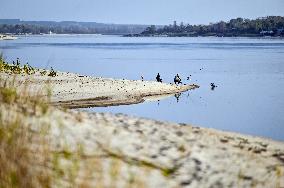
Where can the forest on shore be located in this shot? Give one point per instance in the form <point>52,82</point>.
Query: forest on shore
<point>266,26</point>
<point>239,27</point>
<point>19,27</point>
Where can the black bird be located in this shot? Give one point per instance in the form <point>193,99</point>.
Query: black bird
<point>177,79</point>
<point>213,86</point>
<point>158,78</point>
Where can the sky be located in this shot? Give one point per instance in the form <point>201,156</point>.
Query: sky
<point>139,11</point>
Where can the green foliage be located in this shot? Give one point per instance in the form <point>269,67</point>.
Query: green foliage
<point>26,27</point>
<point>28,69</point>
<point>52,73</point>
<point>15,67</point>
<point>267,26</point>
<point>42,73</point>
<point>151,29</point>
<point>3,65</point>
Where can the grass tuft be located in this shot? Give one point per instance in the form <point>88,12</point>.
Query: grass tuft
<point>52,73</point>
<point>20,162</point>
<point>16,68</point>
<point>8,95</point>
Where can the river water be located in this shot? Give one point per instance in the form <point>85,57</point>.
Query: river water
<point>249,74</point>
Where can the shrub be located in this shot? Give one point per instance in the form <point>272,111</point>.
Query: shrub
<point>15,67</point>
<point>42,73</point>
<point>52,73</point>
<point>28,69</point>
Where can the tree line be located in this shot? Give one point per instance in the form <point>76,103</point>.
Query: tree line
<point>266,26</point>
<point>38,29</point>
<point>11,26</point>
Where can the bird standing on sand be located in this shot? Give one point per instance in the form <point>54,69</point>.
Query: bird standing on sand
<point>177,79</point>
<point>158,78</point>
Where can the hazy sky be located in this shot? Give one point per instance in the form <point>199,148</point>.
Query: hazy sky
<point>140,11</point>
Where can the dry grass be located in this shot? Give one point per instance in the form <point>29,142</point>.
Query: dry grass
<point>17,161</point>
<point>17,68</point>
<point>20,162</point>
<point>26,160</point>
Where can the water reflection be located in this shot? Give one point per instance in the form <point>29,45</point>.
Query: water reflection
<point>177,96</point>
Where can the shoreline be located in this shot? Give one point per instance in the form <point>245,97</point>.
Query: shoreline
<point>72,90</point>
<point>174,35</point>
<point>119,150</point>
<point>7,37</point>
<point>146,36</point>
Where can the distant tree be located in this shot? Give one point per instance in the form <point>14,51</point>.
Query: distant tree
<point>271,25</point>
<point>150,30</point>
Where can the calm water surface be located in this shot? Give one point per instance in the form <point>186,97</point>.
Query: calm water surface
<point>249,74</point>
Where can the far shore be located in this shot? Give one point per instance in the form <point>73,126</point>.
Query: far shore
<point>15,36</point>
<point>7,37</point>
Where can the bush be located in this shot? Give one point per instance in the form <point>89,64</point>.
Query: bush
<point>52,73</point>
<point>15,67</point>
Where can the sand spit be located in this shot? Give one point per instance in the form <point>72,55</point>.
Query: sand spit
<point>76,91</point>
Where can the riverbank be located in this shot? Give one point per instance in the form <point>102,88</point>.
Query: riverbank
<point>194,34</point>
<point>78,91</point>
<point>105,150</point>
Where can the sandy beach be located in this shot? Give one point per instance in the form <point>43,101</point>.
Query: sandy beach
<point>116,150</point>
<point>78,91</point>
